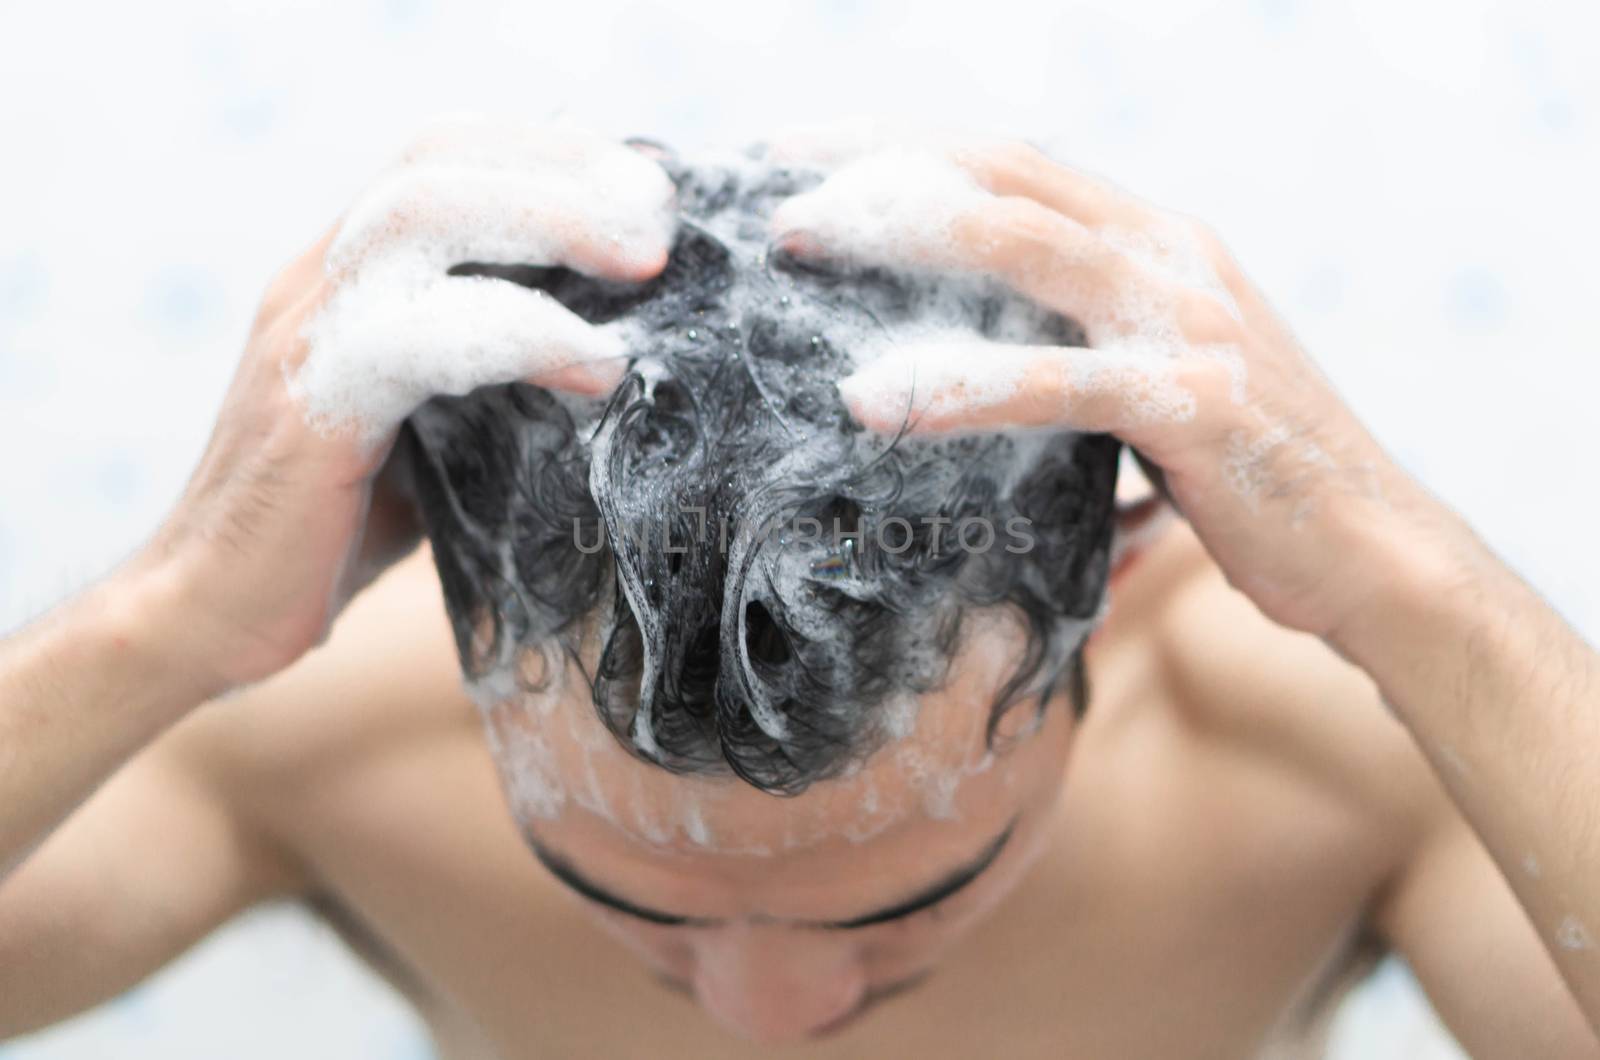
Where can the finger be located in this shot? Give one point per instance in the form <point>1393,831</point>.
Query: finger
<point>1056,262</point>
<point>623,172</point>
<point>892,210</point>
<point>1127,271</point>
<point>1017,168</point>
<point>912,213</point>
<point>306,273</point>
<point>500,332</point>
<point>1003,167</point>
<point>975,386</point>
<point>614,223</point>
<point>1167,245</point>
<point>376,357</point>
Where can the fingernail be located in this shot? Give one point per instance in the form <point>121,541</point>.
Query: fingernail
<point>876,397</point>
<point>643,263</point>
<point>853,390</point>
<point>800,243</point>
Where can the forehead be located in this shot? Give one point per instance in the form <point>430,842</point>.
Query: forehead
<point>568,778</point>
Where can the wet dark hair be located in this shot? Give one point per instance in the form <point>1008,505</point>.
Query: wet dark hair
<point>737,634</point>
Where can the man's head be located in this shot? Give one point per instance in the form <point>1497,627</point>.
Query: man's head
<point>775,694</point>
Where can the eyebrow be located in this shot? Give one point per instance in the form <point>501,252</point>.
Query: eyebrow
<point>948,884</point>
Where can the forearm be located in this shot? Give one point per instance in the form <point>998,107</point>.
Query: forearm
<point>1504,698</point>
<point>81,690</point>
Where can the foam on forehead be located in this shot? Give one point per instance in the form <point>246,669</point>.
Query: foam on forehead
<point>556,758</point>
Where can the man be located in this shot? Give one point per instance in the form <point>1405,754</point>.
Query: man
<point>1244,814</point>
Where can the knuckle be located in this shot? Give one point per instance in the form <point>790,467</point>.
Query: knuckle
<point>1049,379</point>
<point>1206,319</point>
<point>1216,379</point>
<point>1207,240</point>
<point>1017,155</point>
<point>281,293</point>
<point>1007,161</point>
<point>1016,225</point>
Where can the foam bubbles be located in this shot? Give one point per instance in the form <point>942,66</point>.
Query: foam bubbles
<point>392,337</point>
<point>941,380</point>
<point>1572,935</point>
<point>815,328</point>
<point>534,787</point>
<point>894,207</point>
<point>1168,248</point>
<point>916,208</point>
<point>397,328</point>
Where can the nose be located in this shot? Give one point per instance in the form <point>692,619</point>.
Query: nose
<point>773,984</point>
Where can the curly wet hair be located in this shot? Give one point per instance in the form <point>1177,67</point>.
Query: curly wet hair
<point>765,574</point>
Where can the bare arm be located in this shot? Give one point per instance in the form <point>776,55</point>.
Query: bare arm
<point>228,808</point>
<point>284,519</point>
<point>158,857</point>
<point>1504,699</point>
<point>1435,894</point>
<point>1466,922</point>
<point>1451,914</point>
<point>80,691</point>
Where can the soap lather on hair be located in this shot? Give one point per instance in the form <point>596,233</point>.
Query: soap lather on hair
<point>767,575</point>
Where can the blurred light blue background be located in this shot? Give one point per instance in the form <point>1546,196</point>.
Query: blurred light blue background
<point>1410,183</point>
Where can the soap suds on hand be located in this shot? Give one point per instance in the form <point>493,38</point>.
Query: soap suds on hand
<point>911,208</point>
<point>399,328</point>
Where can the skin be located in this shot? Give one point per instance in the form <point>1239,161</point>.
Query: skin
<point>1237,807</point>
<point>1233,824</point>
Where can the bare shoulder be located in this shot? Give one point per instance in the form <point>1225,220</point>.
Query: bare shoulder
<point>385,680</point>
<point>1284,700</point>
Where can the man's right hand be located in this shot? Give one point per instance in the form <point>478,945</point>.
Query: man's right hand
<point>291,509</point>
